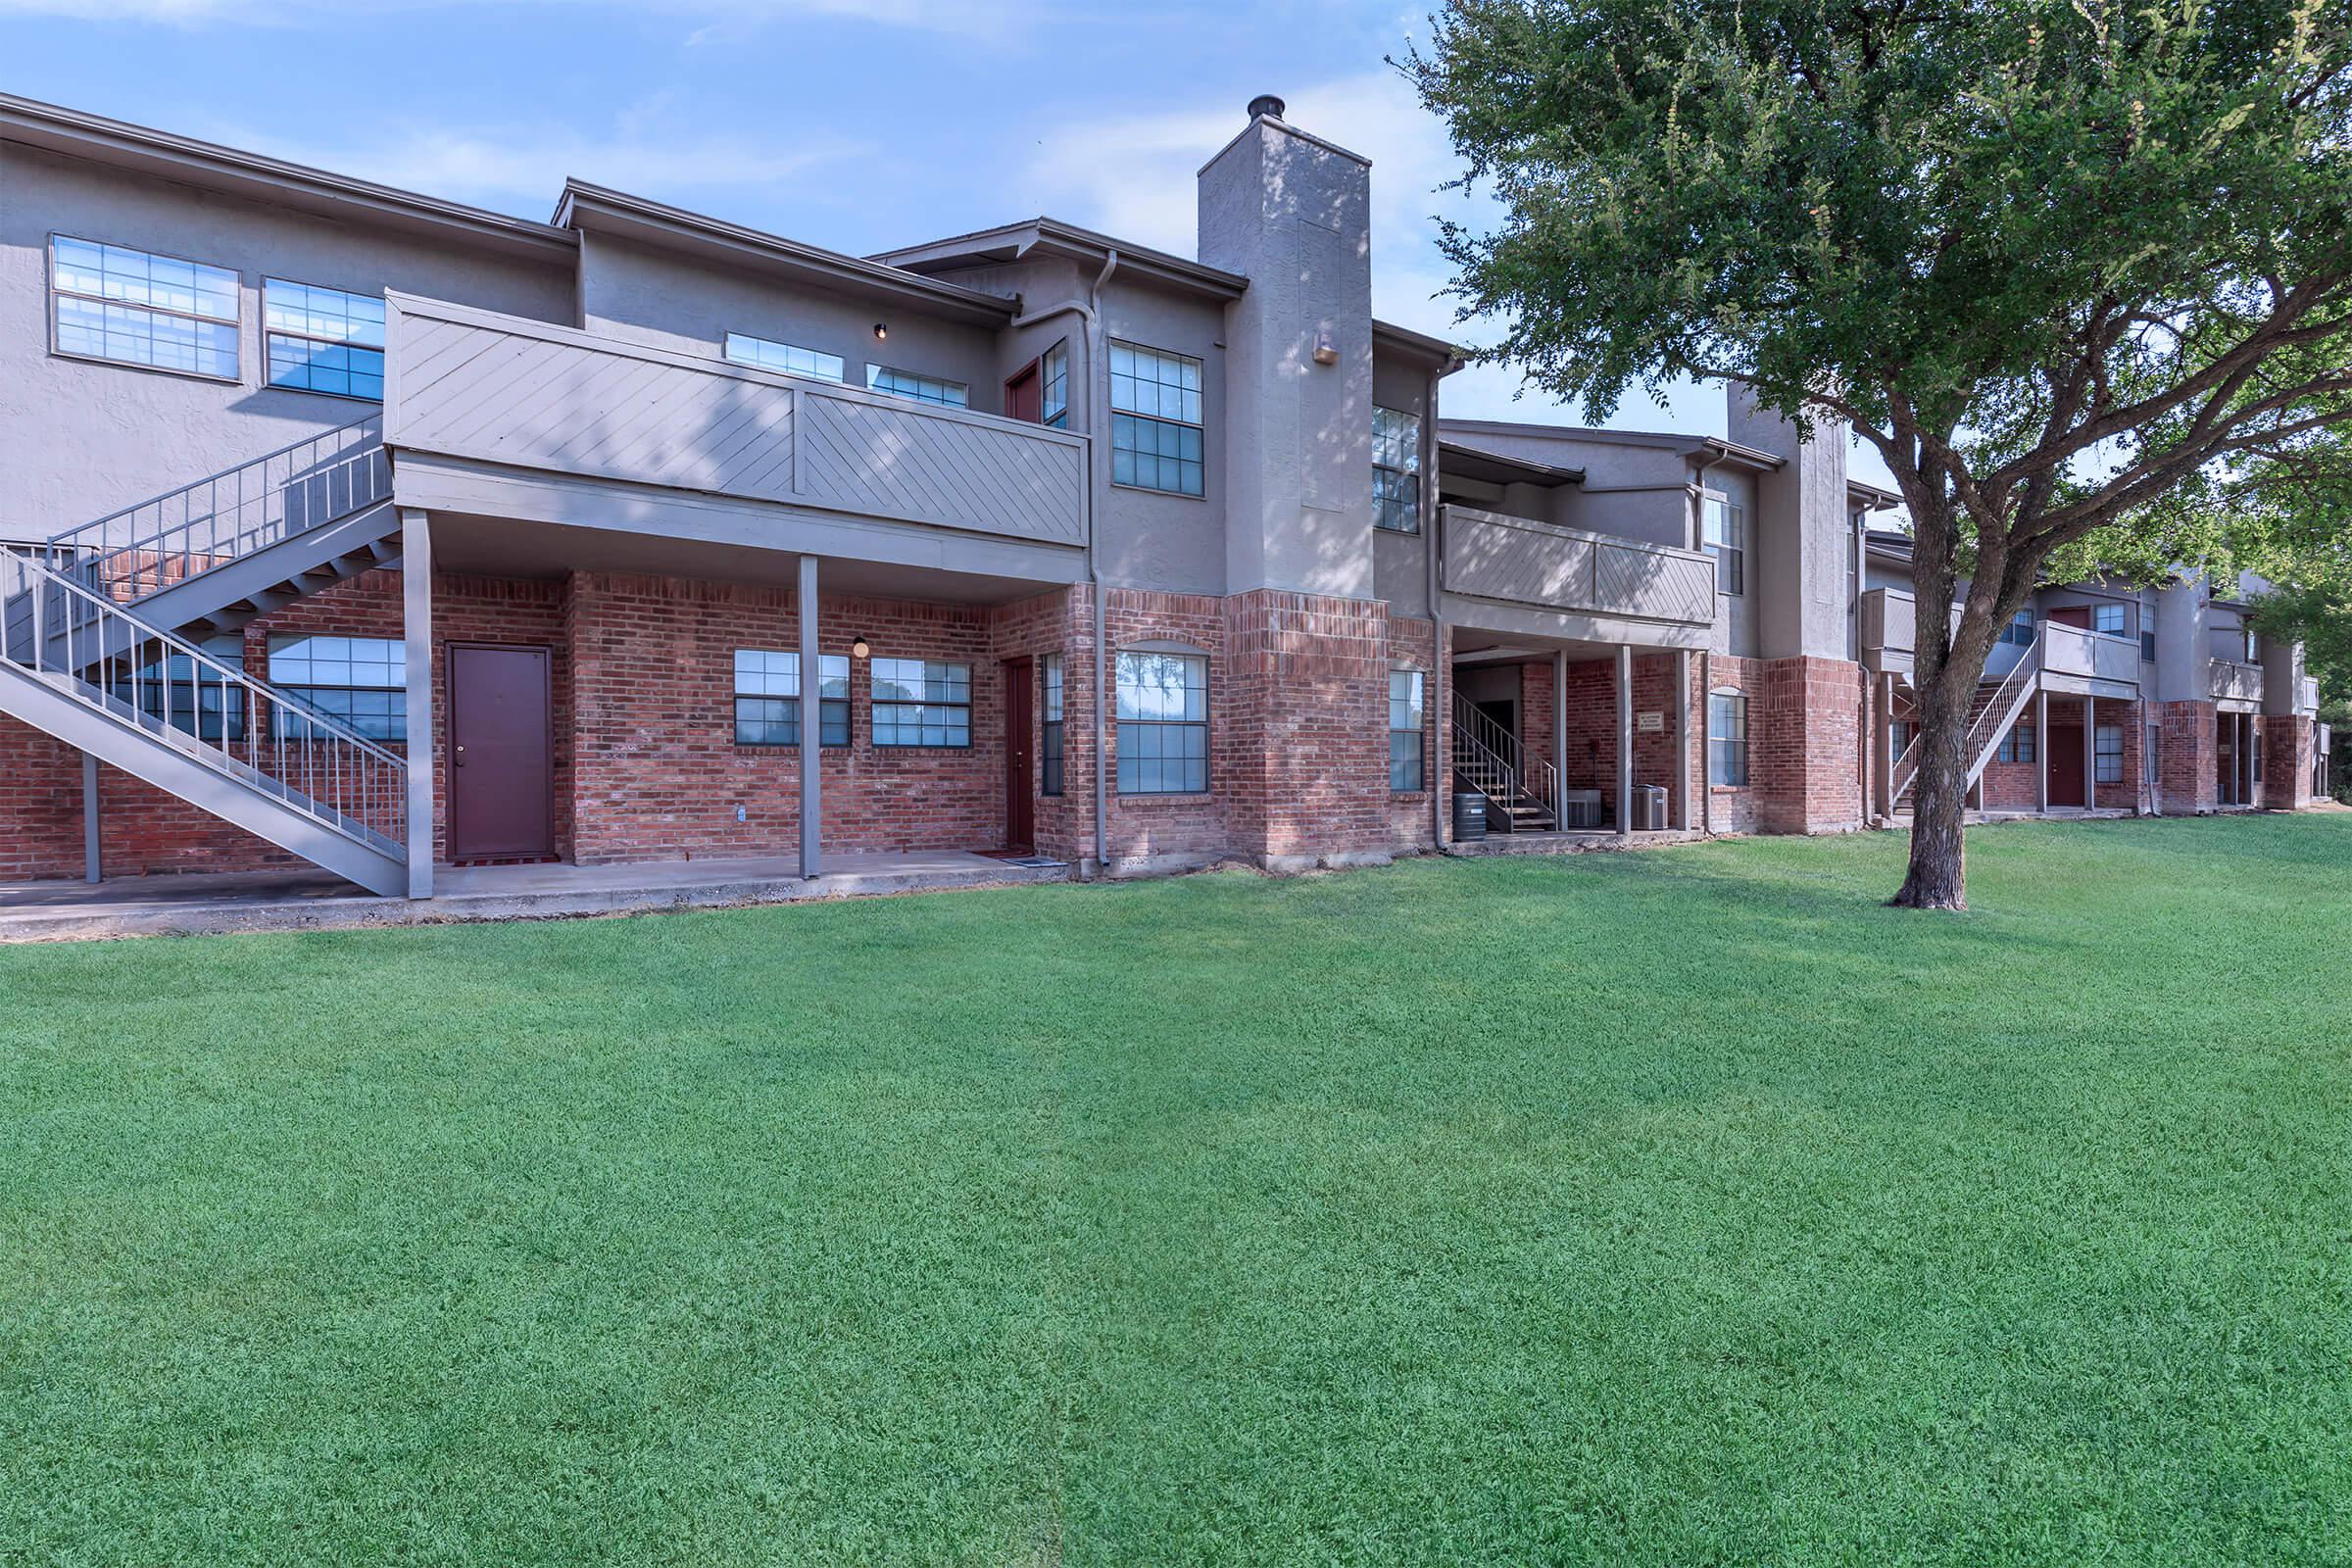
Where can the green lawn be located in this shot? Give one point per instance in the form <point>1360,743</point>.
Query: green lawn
<point>1684,1207</point>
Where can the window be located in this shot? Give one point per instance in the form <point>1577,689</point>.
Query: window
<point>1727,738</point>
<point>1723,529</point>
<point>2147,647</point>
<point>2018,745</point>
<point>2253,646</point>
<point>194,697</point>
<point>1053,379</point>
<point>1406,739</point>
<point>2108,743</point>
<point>1901,730</point>
<point>2107,619</point>
<point>1156,420</point>
<point>767,698</point>
<point>135,307</point>
<point>921,388</point>
<point>359,681</point>
<point>1164,725</point>
<point>324,340</point>
<point>1396,470</point>
<point>2020,630</point>
<point>1050,753</point>
<point>788,358</point>
<point>921,703</point>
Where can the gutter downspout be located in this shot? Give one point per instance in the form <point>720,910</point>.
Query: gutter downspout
<point>1097,377</point>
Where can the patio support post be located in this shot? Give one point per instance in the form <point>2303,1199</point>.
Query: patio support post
<point>416,624</point>
<point>89,818</point>
<point>2090,753</point>
<point>1625,737</point>
<point>1884,740</point>
<point>2042,752</point>
<point>1559,737</point>
<point>1682,739</point>
<point>804,611</point>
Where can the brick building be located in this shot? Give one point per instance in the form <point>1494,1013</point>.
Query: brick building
<point>473,539</point>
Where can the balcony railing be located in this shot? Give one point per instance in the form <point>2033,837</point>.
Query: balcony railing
<point>1545,567</point>
<point>500,389</point>
<point>2096,656</point>
<point>1889,627</point>
<point>2233,681</point>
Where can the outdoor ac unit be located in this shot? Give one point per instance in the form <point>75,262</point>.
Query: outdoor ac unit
<point>1649,808</point>
<point>1580,808</point>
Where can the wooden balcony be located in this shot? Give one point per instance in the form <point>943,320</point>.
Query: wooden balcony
<point>496,415</point>
<point>1621,585</point>
<point>2235,681</point>
<point>2076,661</point>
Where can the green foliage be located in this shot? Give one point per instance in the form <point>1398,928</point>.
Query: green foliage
<point>1677,1207</point>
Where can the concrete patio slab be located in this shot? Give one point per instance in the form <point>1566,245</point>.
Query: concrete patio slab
<point>311,901</point>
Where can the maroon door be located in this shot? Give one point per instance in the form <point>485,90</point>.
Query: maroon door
<point>2065,765</point>
<point>1021,724</point>
<point>1025,396</point>
<point>2074,615</point>
<point>500,770</point>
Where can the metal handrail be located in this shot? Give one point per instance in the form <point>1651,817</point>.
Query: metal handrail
<point>314,764</point>
<point>184,532</point>
<point>1502,778</point>
<point>1977,748</point>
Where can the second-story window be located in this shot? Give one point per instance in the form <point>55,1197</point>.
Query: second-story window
<point>108,302</point>
<point>2107,619</point>
<point>1054,375</point>
<point>1723,529</point>
<point>789,359</point>
<point>1395,469</point>
<point>2020,630</point>
<point>921,388</point>
<point>2147,647</point>
<point>323,340</point>
<point>1156,439</point>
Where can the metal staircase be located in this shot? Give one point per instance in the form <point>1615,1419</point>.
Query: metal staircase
<point>92,649</point>
<point>1523,795</point>
<point>1995,708</point>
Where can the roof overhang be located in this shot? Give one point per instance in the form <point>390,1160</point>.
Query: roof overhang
<point>1872,497</point>
<point>1457,460</point>
<point>595,210</point>
<point>1698,449</point>
<point>274,181</point>
<point>1404,340</point>
<point>1051,238</point>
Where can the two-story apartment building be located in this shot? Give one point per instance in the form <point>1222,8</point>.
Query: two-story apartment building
<point>640,536</point>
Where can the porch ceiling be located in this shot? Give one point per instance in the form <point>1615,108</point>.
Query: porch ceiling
<point>508,547</point>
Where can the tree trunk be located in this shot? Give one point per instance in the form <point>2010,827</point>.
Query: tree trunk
<point>1937,878</point>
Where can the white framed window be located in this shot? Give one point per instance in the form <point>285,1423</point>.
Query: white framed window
<point>767,698</point>
<point>1155,435</point>
<point>786,359</point>
<point>1727,738</point>
<point>1407,737</point>
<point>2107,619</point>
<point>359,681</point>
<point>1163,723</point>
<point>1054,386</point>
<point>1723,530</point>
<point>919,388</point>
<point>323,340</point>
<point>1395,469</point>
<point>919,702</point>
<point>1049,752</point>
<point>2107,742</point>
<point>133,307</point>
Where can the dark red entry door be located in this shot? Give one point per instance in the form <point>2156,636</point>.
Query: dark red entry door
<point>1021,730</point>
<point>1025,396</point>
<point>2065,765</point>
<point>501,766</point>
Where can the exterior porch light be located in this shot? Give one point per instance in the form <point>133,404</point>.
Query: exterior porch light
<point>881,331</point>
<point>858,648</point>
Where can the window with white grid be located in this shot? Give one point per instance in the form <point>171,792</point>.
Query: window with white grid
<point>1163,723</point>
<point>133,307</point>
<point>788,358</point>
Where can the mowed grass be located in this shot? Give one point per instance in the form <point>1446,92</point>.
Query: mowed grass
<point>1682,1208</point>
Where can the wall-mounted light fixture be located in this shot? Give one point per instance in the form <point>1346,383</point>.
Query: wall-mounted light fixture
<point>859,649</point>
<point>881,331</point>
<point>1327,349</point>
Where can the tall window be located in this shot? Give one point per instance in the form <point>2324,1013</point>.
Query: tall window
<point>1054,386</point>
<point>359,681</point>
<point>108,302</point>
<point>921,388</point>
<point>789,359</point>
<point>2018,745</point>
<point>1723,529</point>
<point>767,698</point>
<point>1408,738</point>
<point>1899,730</point>
<point>1156,420</point>
<point>324,340</point>
<point>188,695</point>
<point>921,702</point>
<point>2108,742</point>
<point>2020,630</point>
<point>1049,749</point>
<point>1395,469</point>
<point>1164,725</point>
<point>1727,738</point>
<point>2107,619</point>
<point>2147,646</point>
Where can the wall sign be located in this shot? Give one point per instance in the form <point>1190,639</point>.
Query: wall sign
<point>1651,724</point>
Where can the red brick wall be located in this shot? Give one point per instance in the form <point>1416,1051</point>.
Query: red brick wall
<point>2185,760</point>
<point>2290,746</point>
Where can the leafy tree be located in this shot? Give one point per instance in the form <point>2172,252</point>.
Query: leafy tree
<point>2053,261</point>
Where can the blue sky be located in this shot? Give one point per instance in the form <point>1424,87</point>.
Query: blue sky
<point>857,125</point>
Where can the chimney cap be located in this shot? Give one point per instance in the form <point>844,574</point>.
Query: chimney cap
<point>1265,104</point>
